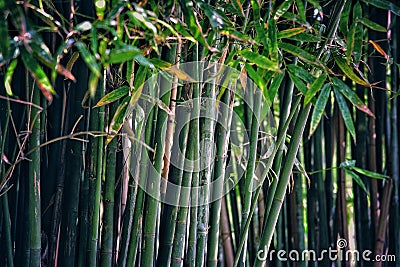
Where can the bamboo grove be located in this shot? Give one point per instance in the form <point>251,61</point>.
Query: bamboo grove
<point>193,133</point>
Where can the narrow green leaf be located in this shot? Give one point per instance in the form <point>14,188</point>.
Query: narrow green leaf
<point>348,71</point>
<point>372,25</point>
<point>350,42</point>
<point>122,54</point>
<point>346,115</point>
<point>358,180</point>
<point>305,37</point>
<point>272,40</point>
<point>384,4</point>
<point>260,60</point>
<point>290,32</point>
<point>273,88</point>
<point>301,8</point>
<point>300,53</point>
<point>236,35</point>
<point>113,96</point>
<point>370,174</point>
<point>89,59</point>
<point>301,72</point>
<point>118,119</point>
<point>261,36</point>
<point>282,8</point>
<point>92,84</point>
<point>9,76</point>
<point>344,18</point>
<point>351,96</point>
<point>238,6</point>
<point>298,83</point>
<point>38,74</point>
<point>258,80</point>
<point>320,107</point>
<point>314,88</point>
<point>358,38</point>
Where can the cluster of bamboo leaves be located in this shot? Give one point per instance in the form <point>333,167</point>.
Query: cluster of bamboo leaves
<point>87,144</point>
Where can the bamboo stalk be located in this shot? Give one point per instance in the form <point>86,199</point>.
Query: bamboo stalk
<point>153,186</point>
<point>109,200</point>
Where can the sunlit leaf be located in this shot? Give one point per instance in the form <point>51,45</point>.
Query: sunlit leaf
<point>258,80</point>
<point>351,96</point>
<point>290,32</point>
<point>319,108</point>
<point>260,60</point>
<point>282,8</point>
<point>231,33</point>
<point>370,174</point>
<point>348,71</point>
<point>89,59</point>
<point>347,164</point>
<point>112,96</point>
<point>384,4</point>
<point>9,76</point>
<point>314,88</point>
<point>346,115</point>
<point>379,49</point>
<point>173,69</point>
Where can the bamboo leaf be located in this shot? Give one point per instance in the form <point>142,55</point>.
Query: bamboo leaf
<point>358,38</point>
<point>89,59</point>
<point>305,37</point>
<point>113,96</point>
<point>261,36</point>
<point>298,83</point>
<point>314,88</point>
<point>272,40</point>
<point>135,96</point>
<point>346,115</point>
<point>273,88</point>
<point>372,25</point>
<point>301,8</point>
<point>300,53</point>
<point>118,119</point>
<point>370,174</point>
<point>379,49</point>
<point>350,42</point>
<point>92,84</point>
<point>38,74</point>
<point>232,33</point>
<point>290,32</point>
<point>9,76</point>
<point>238,5</point>
<point>122,54</point>
<point>282,8</point>
<point>319,108</point>
<point>173,69</point>
<point>347,164</point>
<point>301,72</point>
<point>348,71</point>
<point>358,180</point>
<point>351,96</point>
<point>344,18</point>
<point>260,60</point>
<point>258,80</point>
<point>384,4</point>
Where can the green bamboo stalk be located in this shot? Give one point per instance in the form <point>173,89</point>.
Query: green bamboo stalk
<point>153,186</point>
<point>283,181</point>
<point>170,212</point>
<point>222,138</point>
<point>207,129</point>
<point>34,183</point>
<point>95,187</point>
<point>190,179</point>
<point>109,187</point>
<point>249,175</point>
